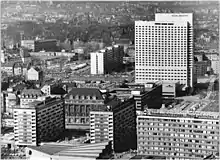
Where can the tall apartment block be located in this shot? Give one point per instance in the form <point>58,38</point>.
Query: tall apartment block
<point>185,132</point>
<point>39,122</point>
<point>116,123</point>
<point>106,60</point>
<point>101,126</point>
<point>164,49</point>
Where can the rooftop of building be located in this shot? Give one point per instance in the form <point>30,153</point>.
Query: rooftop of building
<point>170,23</point>
<point>36,69</point>
<point>4,86</point>
<point>85,150</point>
<point>214,107</point>
<point>32,92</point>
<point>9,64</point>
<point>48,101</point>
<point>107,48</point>
<point>85,92</point>
<point>46,40</point>
<point>57,90</point>
<point>123,105</point>
<point>148,157</point>
<point>27,40</point>
<point>71,85</point>
<point>182,108</point>
<point>12,63</point>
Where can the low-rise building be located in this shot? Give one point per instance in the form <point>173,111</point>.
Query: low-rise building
<point>215,64</point>
<point>25,56</point>
<point>40,121</point>
<point>201,68</point>
<point>30,95</point>
<point>8,68</point>
<point>29,44</point>
<point>55,54</point>
<point>169,90</point>
<point>48,45</point>
<point>69,151</point>
<point>53,90</point>
<point>149,97</point>
<point>35,74</point>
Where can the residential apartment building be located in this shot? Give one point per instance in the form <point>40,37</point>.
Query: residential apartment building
<point>40,121</point>
<point>117,124</point>
<point>8,68</point>
<point>101,126</point>
<point>107,60</point>
<point>178,134</point>
<point>124,122</point>
<point>164,49</point>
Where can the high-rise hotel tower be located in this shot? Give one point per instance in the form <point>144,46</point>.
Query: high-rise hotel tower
<point>164,49</point>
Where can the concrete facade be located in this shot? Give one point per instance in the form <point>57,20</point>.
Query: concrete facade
<point>157,56</point>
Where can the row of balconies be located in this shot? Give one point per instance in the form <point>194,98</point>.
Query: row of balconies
<point>175,123</point>
<point>179,140</point>
<point>178,150</point>
<point>171,129</point>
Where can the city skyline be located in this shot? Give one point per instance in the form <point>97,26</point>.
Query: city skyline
<point>110,80</point>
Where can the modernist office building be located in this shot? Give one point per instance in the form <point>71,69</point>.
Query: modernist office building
<point>164,49</point>
<point>107,60</point>
<point>39,122</point>
<point>178,134</point>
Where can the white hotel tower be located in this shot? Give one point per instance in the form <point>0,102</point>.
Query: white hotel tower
<point>164,49</point>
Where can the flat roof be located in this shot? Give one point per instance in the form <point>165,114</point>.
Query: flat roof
<point>170,23</point>
<point>37,104</point>
<point>214,107</point>
<point>148,157</point>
